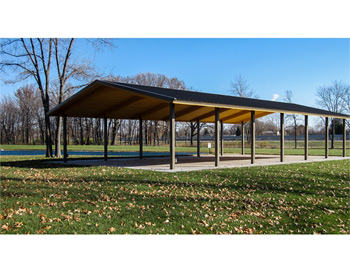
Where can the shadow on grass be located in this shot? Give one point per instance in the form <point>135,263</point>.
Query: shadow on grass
<point>58,163</point>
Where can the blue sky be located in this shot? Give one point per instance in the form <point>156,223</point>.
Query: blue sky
<point>270,66</point>
<point>209,65</point>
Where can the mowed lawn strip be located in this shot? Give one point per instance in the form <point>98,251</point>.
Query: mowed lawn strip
<point>37,197</point>
<point>316,148</point>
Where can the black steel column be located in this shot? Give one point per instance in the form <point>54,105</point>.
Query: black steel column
<point>198,139</point>
<point>282,138</point>
<point>222,138</point>
<point>252,154</point>
<point>172,136</point>
<point>106,139</point>
<point>344,139</point>
<point>242,134</point>
<point>65,155</point>
<point>326,139</point>
<point>140,138</point>
<point>306,145</point>
<point>217,138</point>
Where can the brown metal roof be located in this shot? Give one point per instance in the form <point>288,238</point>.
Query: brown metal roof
<point>131,101</point>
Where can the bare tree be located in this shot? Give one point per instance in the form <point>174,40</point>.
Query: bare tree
<point>333,98</point>
<point>32,59</point>
<point>71,76</point>
<point>9,119</point>
<point>347,105</point>
<point>240,87</point>
<point>25,100</point>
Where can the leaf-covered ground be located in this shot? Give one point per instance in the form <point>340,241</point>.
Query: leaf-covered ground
<point>41,198</point>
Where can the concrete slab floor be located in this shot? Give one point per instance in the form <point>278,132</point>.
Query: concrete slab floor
<point>193,163</point>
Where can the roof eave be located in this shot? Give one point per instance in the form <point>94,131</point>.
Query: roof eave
<point>218,105</point>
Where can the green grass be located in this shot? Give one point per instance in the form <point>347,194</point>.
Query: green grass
<point>42,198</point>
<point>263,147</point>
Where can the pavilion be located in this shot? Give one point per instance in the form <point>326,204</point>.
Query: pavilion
<point>106,99</point>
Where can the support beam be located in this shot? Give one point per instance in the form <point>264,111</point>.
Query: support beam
<point>212,113</point>
<point>252,132</point>
<point>172,135</point>
<point>120,106</point>
<point>235,115</point>
<point>153,110</point>
<point>326,134</point>
<point>344,139</point>
<point>187,111</point>
<point>140,138</point>
<point>242,134</point>
<point>65,155</point>
<point>306,144</point>
<point>106,138</point>
<point>282,137</point>
<point>198,138</point>
<point>217,118</point>
<point>257,115</point>
<point>222,138</point>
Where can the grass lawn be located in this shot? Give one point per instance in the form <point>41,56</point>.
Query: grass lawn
<point>41,198</point>
<point>313,151</point>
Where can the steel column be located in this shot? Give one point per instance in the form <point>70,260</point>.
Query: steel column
<point>65,155</point>
<point>172,135</point>
<point>282,137</point>
<point>344,139</point>
<point>242,134</point>
<point>217,139</point>
<point>306,144</point>
<point>106,138</point>
<point>222,138</point>
<point>252,123</point>
<point>198,139</point>
<point>326,139</point>
<point>140,138</point>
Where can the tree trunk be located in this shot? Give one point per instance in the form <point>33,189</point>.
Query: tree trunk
<point>89,125</point>
<point>27,128</point>
<point>193,127</point>
<point>155,136</point>
<point>58,137</point>
<point>48,139</point>
<point>114,132</point>
<point>81,132</point>
<point>41,129</point>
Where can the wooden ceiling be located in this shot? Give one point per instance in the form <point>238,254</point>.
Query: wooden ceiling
<point>121,104</point>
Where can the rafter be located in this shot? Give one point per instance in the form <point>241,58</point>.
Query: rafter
<point>155,109</point>
<point>210,114</point>
<point>120,106</point>
<point>188,111</point>
<point>263,114</point>
<point>235,115</point>
<point>185,112</point>
<point>257,116</point>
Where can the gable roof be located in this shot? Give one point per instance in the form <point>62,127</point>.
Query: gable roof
<point>131,101</point>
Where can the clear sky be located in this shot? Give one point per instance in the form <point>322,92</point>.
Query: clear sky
<point>209,65</point>
<point>271,66</point>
